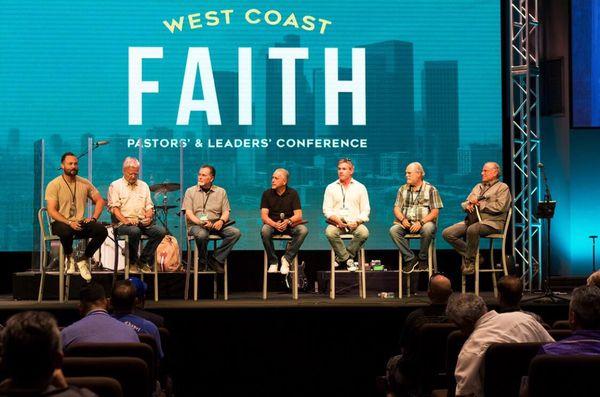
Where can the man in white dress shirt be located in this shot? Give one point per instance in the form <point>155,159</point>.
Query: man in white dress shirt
<point>132,210</point>
<point>346,208</point>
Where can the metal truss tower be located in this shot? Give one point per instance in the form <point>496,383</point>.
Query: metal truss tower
<point>525,138</point>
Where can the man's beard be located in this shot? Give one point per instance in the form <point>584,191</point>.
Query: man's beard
<point>73,172</point>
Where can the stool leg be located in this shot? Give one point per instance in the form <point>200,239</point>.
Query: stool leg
<point>399,275</point>
<point>225,282</point>
<point>493,268</point>
<point>477,273</point>
<point>363,274</point>
<point>61,274</point>
<point>265,278</point>
<point>116,261</point>
<point>196,260</point>
<point>42,272</point>
<point>360,283</point>
<point>155,279</point>
<point>504,256</point>
<point>332,278</point>
<point>295,279</point>
<point>126,257</point>
<point>463,278</point>
<point>187,270</point>
<point>216,276</point>
<point>408,280</point>
<point>430,259</point>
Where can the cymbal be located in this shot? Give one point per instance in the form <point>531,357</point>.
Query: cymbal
<point>165,187</point>
<point>165,207</point>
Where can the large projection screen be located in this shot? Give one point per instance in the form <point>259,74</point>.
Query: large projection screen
<point>248,88</point>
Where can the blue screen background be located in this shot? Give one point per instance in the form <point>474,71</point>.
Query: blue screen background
<point>433,72</point>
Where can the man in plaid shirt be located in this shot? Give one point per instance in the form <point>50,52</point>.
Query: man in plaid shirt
<point>416,210</point>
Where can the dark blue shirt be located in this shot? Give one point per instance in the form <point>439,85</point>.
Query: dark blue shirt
<point>98,327</point>
<point>581,342</point>
<point>141,326</point>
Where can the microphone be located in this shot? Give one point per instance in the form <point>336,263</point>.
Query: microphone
<point>102,143</point>
<point>540,165</point>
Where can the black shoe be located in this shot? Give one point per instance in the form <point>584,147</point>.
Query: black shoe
<point>410,266</point>
<point>215,265</point>
<point>423,264</point>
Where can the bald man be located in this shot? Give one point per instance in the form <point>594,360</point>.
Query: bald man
<point>280,211</point>
<point>401,370</point>
<point>487,207</point>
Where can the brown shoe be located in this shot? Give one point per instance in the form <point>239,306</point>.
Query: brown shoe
<point>467,268</point>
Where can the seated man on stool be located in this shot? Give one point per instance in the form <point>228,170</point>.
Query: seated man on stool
<point>207,211</point>
<point>279,210</point>
<point>346,208</point>
<point>131,205</point>
<point>417,207</point>
<point>487,207</point>
<point>66,198</point>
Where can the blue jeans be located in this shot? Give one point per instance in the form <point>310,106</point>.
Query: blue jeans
<point>427,232</point>
<point>155,235</point>
<point>298,234</point>
<point>342,254</point>
<point>229,234</point>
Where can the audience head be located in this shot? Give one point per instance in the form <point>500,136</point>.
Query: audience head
<point>31,349</point>
<point>92,297</point>
<point>594,279</point>
<point>464,310</point>
<point>439,289</point>
<point>510,291</point>
<point>140,289</point>
<point>584,310</point>
<point>122,298</point>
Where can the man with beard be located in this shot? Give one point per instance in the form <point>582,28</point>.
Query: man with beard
<point>66,197</point>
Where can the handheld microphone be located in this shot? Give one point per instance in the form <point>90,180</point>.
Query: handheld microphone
<point>102,143</point>
<point>540,165</point>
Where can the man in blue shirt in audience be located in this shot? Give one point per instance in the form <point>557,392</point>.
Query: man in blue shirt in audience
<point>96,326</point>
<point>584,317</point>
<point>123,302</point>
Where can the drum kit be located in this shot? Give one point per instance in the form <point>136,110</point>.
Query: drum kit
<point>164,188</point>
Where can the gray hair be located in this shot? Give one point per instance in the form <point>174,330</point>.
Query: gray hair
<point>594,279</point>
<point>585,304</point>
<point>418,166</point>
<point>131,162</point>
<point>465,309</point>
<point>285,173</point>
<point>496,166</point>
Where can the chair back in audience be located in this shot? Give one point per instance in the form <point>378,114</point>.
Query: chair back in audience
<point>137,350</point>
<point>454,344</point>
<point>551,375</point>
<point>561,324</point>
<point>131,372</point>
<point>102,386</point>
<point>559,334</point>
<point>505,365</point>
<point>431,350</point>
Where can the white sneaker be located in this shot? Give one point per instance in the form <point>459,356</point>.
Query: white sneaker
<point>272,269</point>
<point>83,270</point>
<point>70,263</point>
<point>351,265</point>
<point>335,264</point>
<point>285,266</point>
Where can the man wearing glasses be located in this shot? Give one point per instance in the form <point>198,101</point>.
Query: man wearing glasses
<point>487,207</point>
<point>346,208</point>
<point>66,198</point>
<point>416,210</point>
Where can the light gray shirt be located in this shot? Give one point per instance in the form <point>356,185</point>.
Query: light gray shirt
<point>212,203</point>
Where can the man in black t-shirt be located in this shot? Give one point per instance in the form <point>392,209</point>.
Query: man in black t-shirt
<point>281,213</point>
